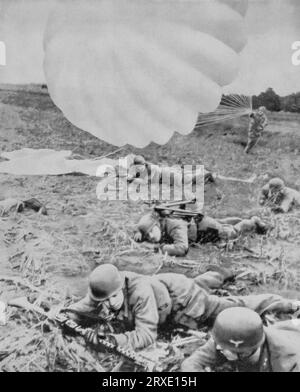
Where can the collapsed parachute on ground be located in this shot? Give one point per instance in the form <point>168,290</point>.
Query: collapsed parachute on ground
<point>135,71</point>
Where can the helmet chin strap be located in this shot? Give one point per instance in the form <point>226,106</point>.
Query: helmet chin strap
<point>116,302</point>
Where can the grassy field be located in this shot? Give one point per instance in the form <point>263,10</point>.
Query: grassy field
<point>56,252</point>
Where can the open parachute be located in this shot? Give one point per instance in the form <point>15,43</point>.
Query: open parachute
<point>135,71</point>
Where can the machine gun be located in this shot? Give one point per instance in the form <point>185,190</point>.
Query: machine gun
<point>176,209</point>
<point>70,325</point>
<point>128,354</point>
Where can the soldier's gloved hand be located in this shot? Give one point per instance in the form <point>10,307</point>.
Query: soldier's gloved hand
<point>112,339</point>
<point>92,336</point>
<point>138,236</point>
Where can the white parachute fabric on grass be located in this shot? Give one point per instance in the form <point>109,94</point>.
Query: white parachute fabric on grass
<point>112,173</point>
<point>28,161</point>
<point>135,71</point>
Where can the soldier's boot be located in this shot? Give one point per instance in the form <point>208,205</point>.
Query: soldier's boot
<point>214,277</point>
<point>251,143</point>
<point>248,148</point>
<point>260,226</point>
<point>253,224</point>
<point>226,273</point>
<point>230,221</point>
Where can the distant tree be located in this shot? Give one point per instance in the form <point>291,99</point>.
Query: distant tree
<point>269,99</point>
<point>272,101</point>
<point>255,102</point>
<point>291,103</point>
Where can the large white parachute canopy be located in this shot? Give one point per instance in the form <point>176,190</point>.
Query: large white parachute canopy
<point>135,71</point>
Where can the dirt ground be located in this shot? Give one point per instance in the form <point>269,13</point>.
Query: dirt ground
<point>56,252</point>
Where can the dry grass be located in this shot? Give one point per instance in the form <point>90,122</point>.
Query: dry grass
<point>48,258</point>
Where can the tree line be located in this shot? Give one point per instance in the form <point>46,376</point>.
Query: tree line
<point>272,101</point>
<point>275,103</point>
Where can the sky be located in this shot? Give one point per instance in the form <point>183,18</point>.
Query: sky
<point>272,26</point>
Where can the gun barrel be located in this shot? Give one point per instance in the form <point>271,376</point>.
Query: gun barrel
<point>171,203</point>
<point>126,353</point>
<point>63,320</point>
<point>180,203</point>
<point>183,213</point>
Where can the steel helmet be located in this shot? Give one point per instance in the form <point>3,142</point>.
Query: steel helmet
<point>105,281</point>
<point>237,329</point>
<point>276,183</point>
<point>139,160</point>
<point>147,222</point>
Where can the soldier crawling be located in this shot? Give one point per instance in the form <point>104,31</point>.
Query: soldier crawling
<point>279,197</point>
<point>258,122</point>
<point>142,171</point>
<point>142,303</point>
<point>172,236</point>
<point>239,339</point>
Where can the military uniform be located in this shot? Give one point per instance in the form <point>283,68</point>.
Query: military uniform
<point>177,233</point>
<point>279,353</point>
<point>145,172</point>
<point>151,301</point>
<point>258,123</point>
<point>284,200</point>
<point>157,174</point>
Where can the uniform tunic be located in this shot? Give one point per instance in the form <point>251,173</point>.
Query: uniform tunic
<point>279,353</point>
<point>177,233</point>
<point>151,301</point>
<point>284,199</point>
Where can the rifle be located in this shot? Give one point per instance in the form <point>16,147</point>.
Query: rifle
<point>171,203</point>
<point>170,210</point>
<point>70,325</point>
